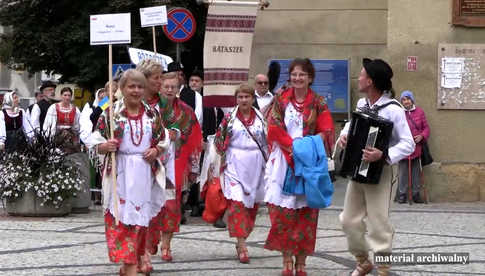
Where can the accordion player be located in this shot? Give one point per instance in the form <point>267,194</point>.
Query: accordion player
<point>367,129</point>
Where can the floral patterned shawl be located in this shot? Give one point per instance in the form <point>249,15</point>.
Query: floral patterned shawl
<point>224,133</point>
<point>121,120</point>
<point>316,119</point>
<point>189,145</point>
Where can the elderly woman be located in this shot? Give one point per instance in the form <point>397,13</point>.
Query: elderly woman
<point>139,139</point>
<point>295,113</point>
<point>62,122</point>
<point>152,70</point>
<point>182,163</point>
<point>241,141</point>
<point>14,124</point>
<point>420,130</point>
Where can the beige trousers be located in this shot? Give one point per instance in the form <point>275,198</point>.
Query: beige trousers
<point>366,209</point>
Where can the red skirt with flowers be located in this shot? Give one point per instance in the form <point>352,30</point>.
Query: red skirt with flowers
<point>240,220</point>
<point>171,216</point>
<point>154,233</point>
<point>292,231</point>
<point>167,220</point>
<point>126,243</point>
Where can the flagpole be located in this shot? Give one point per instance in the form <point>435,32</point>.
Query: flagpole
<point>111,130</point>
<point>154,40</point>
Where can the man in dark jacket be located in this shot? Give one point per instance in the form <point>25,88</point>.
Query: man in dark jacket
<point>39,110</point>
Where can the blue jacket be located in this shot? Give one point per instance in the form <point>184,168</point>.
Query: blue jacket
<point>310,177</point>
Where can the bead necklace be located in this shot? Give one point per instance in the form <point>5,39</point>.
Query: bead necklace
<point>249,121</point>
<point>136,118</point>
<point>300,107</point>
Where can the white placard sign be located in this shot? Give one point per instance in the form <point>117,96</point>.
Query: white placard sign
<point>153,16</point>
<point>110,29</point>
<point>137,55</point>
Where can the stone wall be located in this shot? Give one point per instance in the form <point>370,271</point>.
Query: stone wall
<point>392,30</point>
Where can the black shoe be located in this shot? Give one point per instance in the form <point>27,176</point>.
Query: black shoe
<point>220,223</point>
<point>417,199</point>
<point>183,220</point>
<point>196,211</point>
<point>402,199</point>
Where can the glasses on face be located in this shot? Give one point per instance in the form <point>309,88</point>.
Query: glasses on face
<point>168,88</point>
<point>262,82</point>
<point>298,75</point>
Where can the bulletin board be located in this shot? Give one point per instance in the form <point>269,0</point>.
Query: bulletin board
<point>461,76</point>
<point>332,81</point>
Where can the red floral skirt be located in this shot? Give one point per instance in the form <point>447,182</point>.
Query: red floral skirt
<point>292,231</point>
<point>167,220</point>
<point>171,216</point>
<point>126,243</point>
<point>154,233</point>
<point>240,219</point>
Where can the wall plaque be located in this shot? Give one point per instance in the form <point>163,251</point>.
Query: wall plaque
<point>470,13</point>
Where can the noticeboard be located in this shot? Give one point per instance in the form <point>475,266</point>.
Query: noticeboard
<point>331,81</point>
<point>461,76</point>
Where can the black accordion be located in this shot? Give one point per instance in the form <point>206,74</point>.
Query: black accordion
<point>367,129</point>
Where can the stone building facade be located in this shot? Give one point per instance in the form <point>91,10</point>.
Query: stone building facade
<point>391,30</point>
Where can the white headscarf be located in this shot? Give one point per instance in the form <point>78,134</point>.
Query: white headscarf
<point>8,102</point>
<point>96,100</point>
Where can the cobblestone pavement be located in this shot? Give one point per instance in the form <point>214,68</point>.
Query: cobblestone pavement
<point>75,245</point>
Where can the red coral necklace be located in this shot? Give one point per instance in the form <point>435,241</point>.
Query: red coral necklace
<point>249,121</point>
<point>136,118</point>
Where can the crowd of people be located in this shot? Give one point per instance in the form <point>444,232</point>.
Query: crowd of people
<point>149,146</point>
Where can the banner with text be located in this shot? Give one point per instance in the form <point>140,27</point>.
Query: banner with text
<point>137,55</point>
<point>227,50</point>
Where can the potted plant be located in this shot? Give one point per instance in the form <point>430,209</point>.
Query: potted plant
<point>37,181</point>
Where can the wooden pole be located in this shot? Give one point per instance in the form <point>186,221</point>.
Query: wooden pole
<point>154,40</point>
<point>111,131</point>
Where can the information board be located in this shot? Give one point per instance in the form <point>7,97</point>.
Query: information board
<point>461,76</point>
<point>331,81</point>
<point>153,16</point>
<point>110,29</point>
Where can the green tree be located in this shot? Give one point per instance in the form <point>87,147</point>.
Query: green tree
<point>54,36</point>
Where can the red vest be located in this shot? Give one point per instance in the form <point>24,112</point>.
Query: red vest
<point>64,118</point>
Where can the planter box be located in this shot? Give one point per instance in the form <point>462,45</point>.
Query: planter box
<point>81,203</point>
<point>29,206</point>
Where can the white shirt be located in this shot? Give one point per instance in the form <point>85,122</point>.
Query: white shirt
<point>50,123</point>
<point>402,143</point>
<point>264,100</point>
<point>34,117</point>
<point>198,107</point>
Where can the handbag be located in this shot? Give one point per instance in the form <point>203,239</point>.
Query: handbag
<point>215,202</point>
<point>426,157</point>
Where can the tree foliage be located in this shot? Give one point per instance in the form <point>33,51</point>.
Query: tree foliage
<point>53,35</point>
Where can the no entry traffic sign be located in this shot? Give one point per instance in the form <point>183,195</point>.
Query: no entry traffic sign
<point>181,25</point>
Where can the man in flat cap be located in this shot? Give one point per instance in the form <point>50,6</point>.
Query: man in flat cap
<point>365,216</point>
<point>39,110</point>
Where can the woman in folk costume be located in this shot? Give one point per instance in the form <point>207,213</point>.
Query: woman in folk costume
<point>182,163</point>
<point>62,122</point>
<point>296,112</point>
<point>241,141</point>
<point>14,124</point>
<point>153,72</point>
<point>139,141</point>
